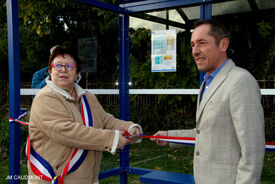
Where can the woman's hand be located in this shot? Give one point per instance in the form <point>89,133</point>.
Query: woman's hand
<point>135,131</point>
<point>128,138</point>
<point>122,141</point>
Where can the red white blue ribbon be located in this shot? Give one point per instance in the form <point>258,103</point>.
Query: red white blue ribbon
<point>270,146</point>
<point>41,167</point>
<point>22,114</point>
<point>178,140</point>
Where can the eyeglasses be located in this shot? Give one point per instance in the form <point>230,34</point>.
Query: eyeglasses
<point>59,67</point>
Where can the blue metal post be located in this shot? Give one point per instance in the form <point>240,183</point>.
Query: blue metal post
<point>14,91</point>
<point>103,5</point>
<point>124,87</point>
<point>205,14</point>
<point>206,11</point>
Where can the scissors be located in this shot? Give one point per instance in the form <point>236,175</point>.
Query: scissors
<point>127,135</point>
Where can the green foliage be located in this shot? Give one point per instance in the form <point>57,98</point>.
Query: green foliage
<point>44,24</point>
<point>4,138</point>
<point>169,110</point>
<point>164,116</point>
<point>140,65</point>
<point>270,127</point>
<point>3,53</point>
<point>253,42</point>
<point>265,29</point>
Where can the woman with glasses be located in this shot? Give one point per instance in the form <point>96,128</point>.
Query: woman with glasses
<point>69,129</point>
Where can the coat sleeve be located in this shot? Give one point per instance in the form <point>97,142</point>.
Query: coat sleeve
<point>38,79</point>
<point>248,120</point>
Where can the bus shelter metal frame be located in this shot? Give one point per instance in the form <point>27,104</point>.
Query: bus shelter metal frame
<point>124,10</point>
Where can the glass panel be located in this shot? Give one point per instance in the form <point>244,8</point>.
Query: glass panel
<point>220,9</point>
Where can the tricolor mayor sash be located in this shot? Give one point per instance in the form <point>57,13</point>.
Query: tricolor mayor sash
<point>42,169</point>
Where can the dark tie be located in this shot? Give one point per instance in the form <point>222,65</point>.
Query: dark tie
<point>203,88</point>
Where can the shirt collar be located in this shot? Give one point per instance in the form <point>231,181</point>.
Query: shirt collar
<point>214,74</point>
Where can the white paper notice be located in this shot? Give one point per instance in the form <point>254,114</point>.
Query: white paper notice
<point>163,44</point>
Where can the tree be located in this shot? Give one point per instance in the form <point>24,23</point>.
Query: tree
<point>3,54</point>
<point>45,23</point>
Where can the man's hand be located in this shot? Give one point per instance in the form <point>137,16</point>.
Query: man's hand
<point>159,142</point>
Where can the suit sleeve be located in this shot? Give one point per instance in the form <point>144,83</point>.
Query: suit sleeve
<point>181,133</point>
<point>248,120</point>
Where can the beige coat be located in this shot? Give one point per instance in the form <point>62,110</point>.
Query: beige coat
<point>56,129</point>
<point>230,139</point>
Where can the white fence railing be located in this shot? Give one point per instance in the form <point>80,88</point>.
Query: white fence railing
<point>28,91</point>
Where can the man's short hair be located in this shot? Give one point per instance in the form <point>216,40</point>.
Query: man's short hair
<point>217,30</point>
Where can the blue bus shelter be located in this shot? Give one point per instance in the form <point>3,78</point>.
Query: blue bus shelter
<point>125,9</point>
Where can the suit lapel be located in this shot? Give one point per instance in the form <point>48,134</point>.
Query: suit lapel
<point>216,83</point>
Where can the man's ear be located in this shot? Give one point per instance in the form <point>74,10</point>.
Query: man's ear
<point>224,44</point>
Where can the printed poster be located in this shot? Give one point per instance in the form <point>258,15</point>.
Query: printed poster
<point>87,53</point>
<point>163,44</point>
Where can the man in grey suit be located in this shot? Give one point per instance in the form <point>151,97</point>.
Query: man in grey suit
<point>230,138</point>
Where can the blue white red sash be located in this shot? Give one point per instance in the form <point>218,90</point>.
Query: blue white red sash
<point>41,168</point>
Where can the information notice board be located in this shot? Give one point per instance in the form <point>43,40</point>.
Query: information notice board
<point>163,44</point>
<point>87,53</point>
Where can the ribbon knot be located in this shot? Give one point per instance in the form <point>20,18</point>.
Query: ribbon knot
<point>57,180</point>
<point>22,114</point>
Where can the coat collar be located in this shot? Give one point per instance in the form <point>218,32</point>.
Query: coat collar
<point>78,89</point>
<point>216,83</point>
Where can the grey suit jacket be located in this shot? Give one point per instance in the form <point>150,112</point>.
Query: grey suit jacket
<point>230,139</point>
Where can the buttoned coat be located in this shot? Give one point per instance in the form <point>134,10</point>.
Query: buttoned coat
<point>230,139</point>
<point>56,129</point>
